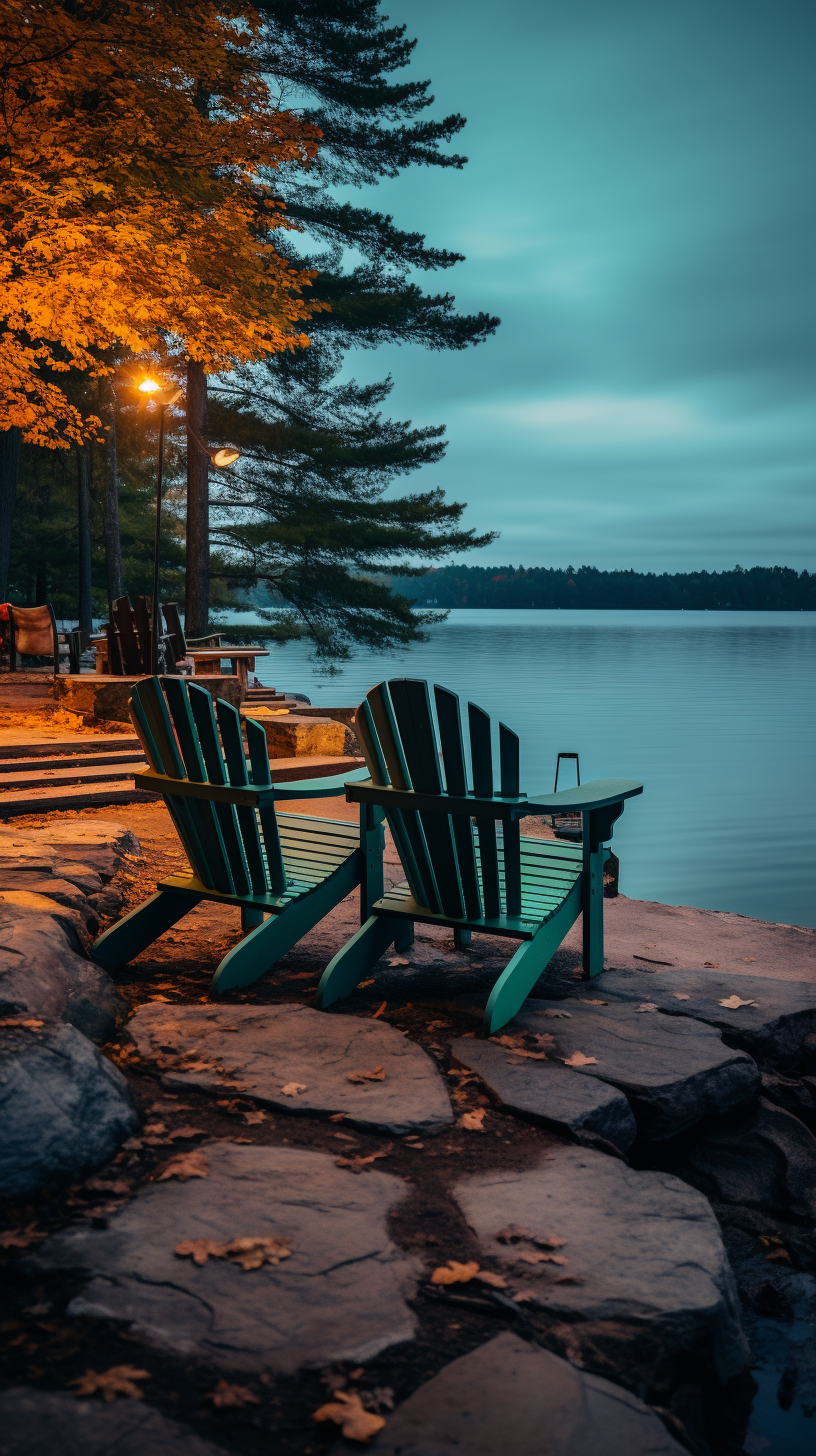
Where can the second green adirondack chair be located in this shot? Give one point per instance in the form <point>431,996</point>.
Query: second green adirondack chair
<point>466,862</point>
<point>291,868</point>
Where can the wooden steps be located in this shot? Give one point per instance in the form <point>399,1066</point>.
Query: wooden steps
<point>77,773</point>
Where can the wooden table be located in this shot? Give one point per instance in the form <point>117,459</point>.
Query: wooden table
<point>207,660</point>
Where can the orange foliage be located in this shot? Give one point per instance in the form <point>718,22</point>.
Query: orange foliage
<point>138,150</point>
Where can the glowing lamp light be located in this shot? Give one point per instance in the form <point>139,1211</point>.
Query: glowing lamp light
<point>149,386</point>
<point>224,457</point>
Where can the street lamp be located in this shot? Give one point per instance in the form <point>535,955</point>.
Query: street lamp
<point>162,395</point>
<point>166,395</point>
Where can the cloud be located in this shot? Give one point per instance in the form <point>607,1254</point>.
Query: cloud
<point>601,419</point>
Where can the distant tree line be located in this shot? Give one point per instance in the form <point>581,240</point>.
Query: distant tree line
<point>755,588</point>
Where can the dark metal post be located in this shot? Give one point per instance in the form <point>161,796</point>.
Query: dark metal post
<point>155,609</point>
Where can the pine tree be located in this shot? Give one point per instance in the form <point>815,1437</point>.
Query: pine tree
<point>307,513</point>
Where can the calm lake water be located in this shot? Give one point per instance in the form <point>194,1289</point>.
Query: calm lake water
<point>714,711</point>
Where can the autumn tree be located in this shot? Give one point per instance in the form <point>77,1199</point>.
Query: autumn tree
<point>134,219</point>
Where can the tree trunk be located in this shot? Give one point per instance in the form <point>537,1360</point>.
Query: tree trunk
<point>198,506</point>
<point>110,490</point>
<point>84,533</point>
<point>9,461</point>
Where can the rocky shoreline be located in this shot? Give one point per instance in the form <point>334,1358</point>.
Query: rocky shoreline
<point>600,1220</point>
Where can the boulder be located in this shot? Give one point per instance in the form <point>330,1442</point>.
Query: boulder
<point>106,902</point>
<point>550,1094</point>
<point>42,1422</point>
<point>772,1024</point>
<point>64,1108</point>
<point>592,1241</point>
<point>42,976</point>
<point>68,907</point>
<point>260,1050</point>
<point>51,887</point>
<point>289,735</point>
<point>764,1158</point>
<point>509,1395</point>
<point>673,1071</point>
<point>100,844</point>
<point>340,1296</point>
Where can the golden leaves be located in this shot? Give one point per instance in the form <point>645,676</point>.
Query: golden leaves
<point>231,1397</point>
<point>118,1380</point>
<point>454,1273</point>
<point>349,1413</point>
<point>377,1075</point>
<point>247,1251</point>
<point>733,1003</point>
<point>472,1121</point>
<point>294,1089</point>
<point>184,1166</point>
<point>359,1164</point>
<point>21,1238</point>
<point>578,1060</point>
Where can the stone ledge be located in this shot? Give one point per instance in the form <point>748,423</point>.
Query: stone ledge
<point>107,697</point>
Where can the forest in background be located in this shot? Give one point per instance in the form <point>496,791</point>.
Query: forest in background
<point>746,589</point>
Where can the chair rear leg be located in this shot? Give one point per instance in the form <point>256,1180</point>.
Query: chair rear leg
<point>359,955</point>
<point>520,975</point>
<point>137,930</point>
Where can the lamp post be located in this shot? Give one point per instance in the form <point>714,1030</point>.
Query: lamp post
<point>166,395</point>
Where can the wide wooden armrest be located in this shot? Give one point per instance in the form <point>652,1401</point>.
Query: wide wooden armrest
<point>318,788</point>
<point>595,795</point>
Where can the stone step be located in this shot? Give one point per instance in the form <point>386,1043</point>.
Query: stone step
<point>99,743</point>
<point>67,774</point>
<point>43,764</point>
<point>41,801</point>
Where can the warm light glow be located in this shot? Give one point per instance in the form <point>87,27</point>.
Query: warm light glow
<point>226,456</point>
<point>149,386</point>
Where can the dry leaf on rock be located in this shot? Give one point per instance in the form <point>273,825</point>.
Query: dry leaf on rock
<point>252,1253</point>
<point>362,984</point>
<point>293,1089</point>
<point>537,1256</point>
<point>578,1060</point>
<point>732,1003</point>
<point>231,1397</point>
<point>398,961</point>
<point>472,1121</point>
<point>184,1166</point>
<point>379,1011</point>
<point>349,1413</point>
<point>110,1383</point>
<point>155,1129</point>
<point>779,1256</point>
<point>30,1022</point>
<point>376,1075</point>
<point>186,1132</point>
<point>200,1250</point>
<point>513,1233</point>
<point>496,1281</point>
<point>358,1164</point>
<point>253,1117</point>
<point>21,1238</point>
<point>647,1006</point>
<point>453,1273</point>
<point>681,995</point>
<point>585,1001</point>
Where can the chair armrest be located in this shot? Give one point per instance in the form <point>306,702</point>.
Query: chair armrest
<point>595,795</point>
<point>214,793</point>
<point>328,788</point>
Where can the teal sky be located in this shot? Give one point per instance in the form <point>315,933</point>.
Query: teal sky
<point>639,209</point>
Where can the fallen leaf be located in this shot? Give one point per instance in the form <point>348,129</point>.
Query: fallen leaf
<point>362,984</point>
<point>578,1060</point>
<point>348,1412</point>
<point>187,1132</point>
<point>358,1163</point>
<point>732,1003</point>
<point>252,1253</point>
<point>21,1238</point>
<point>253,1117</point>
<point>231,1397</point>
<point>376,1075</point>
<point>337,1117</point>
<point>554,1015</point>
<point>779,1256</point>
<point>110,1383</point>
<point>496,1281</point>
<point>749,958</point>
<point>292,1089</point>
<point>585,1001</point>
<point>397,961</point>
<point>30,1022</point>
<point>681,996</point>
<point>200,1250</point>
<point>379,1011</point>
<point>184,1166</point>
<point>453,1273</point>
<point>534,1056</point>
<point>155,1129</point>
<point>472,1121</point>
<point>647,1006</point>
<point>537,1256</point>
<point>513,1233</point>
<point>106,1185</point>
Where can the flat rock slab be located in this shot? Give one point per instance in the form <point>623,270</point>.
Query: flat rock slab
<point>549,1093</point>
<point>260,1050</point>
<point>42,976</point>
<point>340,1296</point>
<point>40,1422</point>
<point>772,1028</point>
<point>512,1396</point>
<point>64,1108</point>
<point>641,1249</point>
<point>674,1071</point>
<point>99,843</point>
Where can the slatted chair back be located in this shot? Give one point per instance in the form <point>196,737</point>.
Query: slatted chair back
<point>174,640</point>
<point>232,849</point>
<point>450,869</point>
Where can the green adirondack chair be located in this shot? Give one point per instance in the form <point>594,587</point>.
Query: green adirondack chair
<point>291,868</point>
<point>493,880</point>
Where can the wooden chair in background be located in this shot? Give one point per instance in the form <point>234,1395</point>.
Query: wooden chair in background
<point>32,632</point>
<point>466,863</point>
